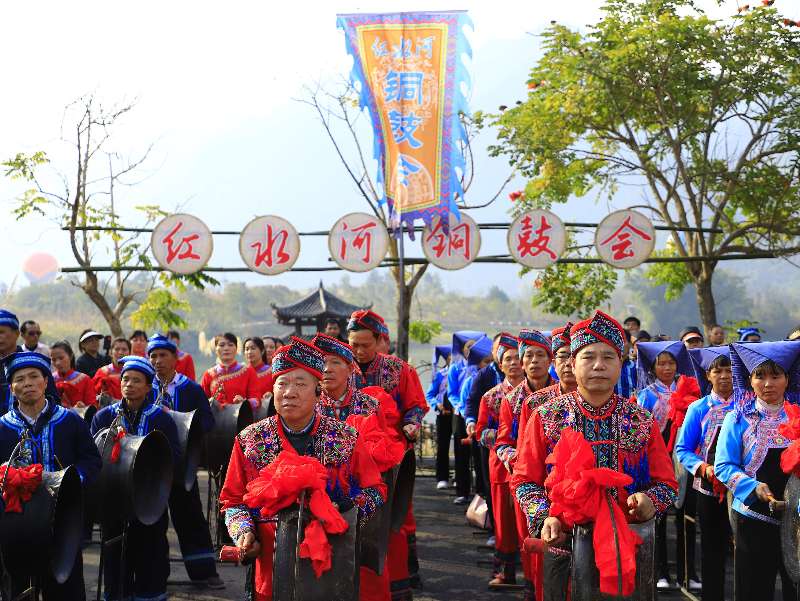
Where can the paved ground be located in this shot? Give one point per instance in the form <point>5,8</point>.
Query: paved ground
<point>448,549</point>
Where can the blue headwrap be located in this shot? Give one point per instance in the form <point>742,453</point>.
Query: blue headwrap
<point>441,351</point>
<point>747,356</point>
<point>505,342</point>
<point>333,346</point>
<point>648,352</point>
<point>157,341</point>
<point>461,338</point>
<point>136,363</point>
<point>702,358</point>
<point>8,319</point>
<point>745,332</point>
<point>480,350</point>
<point>528,338</point>
<point>24,359</point>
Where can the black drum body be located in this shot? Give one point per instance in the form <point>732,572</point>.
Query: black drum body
<point>190,439</point>
<point>266,408</point>
<point>403,489</point>
<point>229,420</point>
<point>137,486</point>
<point>293,578</point>
<point>586,579</point>
<point>51,524</point>
<point>790,528</point>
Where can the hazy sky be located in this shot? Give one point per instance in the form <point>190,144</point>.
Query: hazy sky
<point>215,84</point>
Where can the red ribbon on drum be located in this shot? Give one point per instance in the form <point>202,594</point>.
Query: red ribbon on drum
<point>117,448</point>
<point>578,494</point>
<point>279,485</point>
<point>20,484</point>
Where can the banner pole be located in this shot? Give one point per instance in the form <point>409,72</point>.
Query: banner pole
<point>402,335</point>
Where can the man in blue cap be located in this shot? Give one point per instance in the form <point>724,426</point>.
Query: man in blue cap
<point>147,550</point>
<point>176,392</point>
<point>696,449</point>
<point>56,438</point>
<point>9,334</point>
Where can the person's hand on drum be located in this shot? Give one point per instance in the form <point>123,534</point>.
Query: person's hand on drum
<point>641,507</point>
<point>552,532</point>
<point>249,546</point>
<point>238,398</point>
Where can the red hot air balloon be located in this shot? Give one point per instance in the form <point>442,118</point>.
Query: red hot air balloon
<point>40,268</point>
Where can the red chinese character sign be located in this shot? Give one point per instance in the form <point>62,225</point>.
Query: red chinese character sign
<point>358,242</point>
<point>537,238</point>
<point>269,245</point>
<point>453,250</point>
<point>182,244</point>
<point>625,239</point>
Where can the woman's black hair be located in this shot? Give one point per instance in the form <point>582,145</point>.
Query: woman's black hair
<point>720,361</point>
<point>260,344</point>
<point>138,333</point>
<point>769,367</point>
<point>67,348</point>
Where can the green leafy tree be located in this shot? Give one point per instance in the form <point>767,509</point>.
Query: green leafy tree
<point>160,312</point>
<point>424,331</point>
<point>703,114</point>
<point>88,200</point>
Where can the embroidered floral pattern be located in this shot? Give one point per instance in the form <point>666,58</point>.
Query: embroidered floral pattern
<point>355,403</point>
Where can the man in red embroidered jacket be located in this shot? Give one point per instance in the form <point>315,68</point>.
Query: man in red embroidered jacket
<point>623,437</point>
<point>401,382</point>
<point>297,430</point>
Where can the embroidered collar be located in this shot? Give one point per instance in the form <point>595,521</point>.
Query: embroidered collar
<point>718,400</point>
<point>71,375</point>
<point>595,412</point>
<point>224,371</point>
<point>176,380</point>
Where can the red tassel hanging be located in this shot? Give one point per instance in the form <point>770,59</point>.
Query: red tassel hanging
<point>20,484</point>
<point>117,448</point>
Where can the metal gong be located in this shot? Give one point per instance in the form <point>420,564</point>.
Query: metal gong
<point>586,578</point>
<point>790,528</point>
<point>684,479</point>
<point>293,578</point>
<point>50,525</point>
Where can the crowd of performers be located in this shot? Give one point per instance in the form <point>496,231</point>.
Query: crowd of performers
<point>561,428</point>
<point>533,414</point>
<point>340,416</point>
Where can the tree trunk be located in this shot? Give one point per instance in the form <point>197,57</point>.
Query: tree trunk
<point>705,299</point>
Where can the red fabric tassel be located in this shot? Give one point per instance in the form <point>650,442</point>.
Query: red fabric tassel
<point>385,446</point>
<point>578,494</point>
<point>20,484</point>
<point>117,448</point>
<point>280,483</point>
<point>686,392</point>
<point>315,547</point>
<point>790,457</point>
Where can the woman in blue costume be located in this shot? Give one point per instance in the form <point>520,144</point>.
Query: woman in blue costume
<point>765,376</point>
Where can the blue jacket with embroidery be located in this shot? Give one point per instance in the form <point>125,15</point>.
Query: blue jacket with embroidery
<point>187,396</point>
<point>150,417</point>
<point>747,435</point>
<point>655,398</point>
<point>437,389</point>
<point>626,385</point>
<point>63,439</point>
<point>700,426</point>
<point>459,402</point>
<point>455,378</point>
